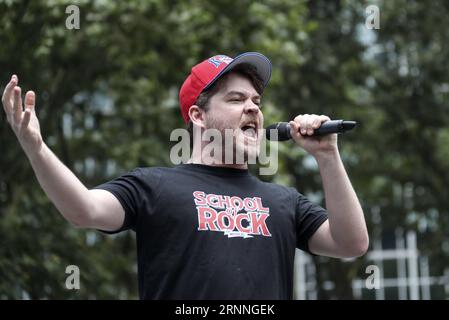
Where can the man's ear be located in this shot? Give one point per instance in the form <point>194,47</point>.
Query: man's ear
<point>197,116</point>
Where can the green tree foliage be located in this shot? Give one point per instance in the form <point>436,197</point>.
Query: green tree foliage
<point>107,102</point>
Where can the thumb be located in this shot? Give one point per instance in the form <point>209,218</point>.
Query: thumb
<point>296,134</point>
<point>294,130</point>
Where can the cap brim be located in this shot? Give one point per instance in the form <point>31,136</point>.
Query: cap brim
<point>261,64</point>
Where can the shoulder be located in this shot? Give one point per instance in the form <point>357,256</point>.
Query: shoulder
<point>144,175</point>
<point>146,172</point>
<point>275,186</point>
<point>278,189</point>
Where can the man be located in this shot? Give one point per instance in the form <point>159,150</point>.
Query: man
<point>209,231</point>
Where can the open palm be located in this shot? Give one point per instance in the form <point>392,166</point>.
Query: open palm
<point>23,121</point>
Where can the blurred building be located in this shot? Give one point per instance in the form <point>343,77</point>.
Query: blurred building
<point>394,270</point>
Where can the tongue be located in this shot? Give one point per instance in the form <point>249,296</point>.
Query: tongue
<point>250,132</point>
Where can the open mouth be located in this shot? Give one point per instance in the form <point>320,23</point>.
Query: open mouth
<point>250,130</point>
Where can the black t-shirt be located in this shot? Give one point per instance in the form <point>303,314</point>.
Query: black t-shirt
<point>214,233</point>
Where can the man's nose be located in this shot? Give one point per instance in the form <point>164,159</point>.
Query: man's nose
<point>251,107</point>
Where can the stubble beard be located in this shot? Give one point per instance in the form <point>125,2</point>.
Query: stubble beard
<point>236,149</point>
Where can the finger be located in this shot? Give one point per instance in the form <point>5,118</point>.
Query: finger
<point>316,122</point>
<point>26,119</point>
<point>295,133</point>
<point>17,104</point>
<point>30,101</point>
<point>298,119</point>
<point>309,124</point>
<point>301,121</point>
<point>294,129</point>
<point>7,94</point>
<point>324,118</point>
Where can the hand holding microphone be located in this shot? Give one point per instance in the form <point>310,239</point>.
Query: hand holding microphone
<point>283,129</point>
<point>305,128</point>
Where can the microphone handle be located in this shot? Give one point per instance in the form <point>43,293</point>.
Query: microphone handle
<point>331,126</point>
<point>328,127</point>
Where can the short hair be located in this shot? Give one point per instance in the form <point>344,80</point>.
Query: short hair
<point>246,70</point>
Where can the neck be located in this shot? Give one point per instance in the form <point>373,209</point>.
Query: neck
<point>202,156</point>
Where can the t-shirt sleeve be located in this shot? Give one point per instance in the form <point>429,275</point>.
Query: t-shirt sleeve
<point>309,217</point>
<point>136,191</point>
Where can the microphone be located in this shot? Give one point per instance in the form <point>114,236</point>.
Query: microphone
<point>328,127</point>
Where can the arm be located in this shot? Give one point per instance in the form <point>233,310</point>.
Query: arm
<point>80,206</point>
<point>345,233</point>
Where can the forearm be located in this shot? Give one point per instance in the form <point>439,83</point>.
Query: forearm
<point>346,220</point>
<point>64,189</point>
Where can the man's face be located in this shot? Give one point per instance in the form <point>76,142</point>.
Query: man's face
<point>236,106</point>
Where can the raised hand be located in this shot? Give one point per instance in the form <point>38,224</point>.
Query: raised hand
<point>23,119</point>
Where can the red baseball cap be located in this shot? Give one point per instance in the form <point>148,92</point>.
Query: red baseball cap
<point>206,73</point>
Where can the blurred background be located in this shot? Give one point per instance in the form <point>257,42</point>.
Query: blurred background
<point>107,102</point>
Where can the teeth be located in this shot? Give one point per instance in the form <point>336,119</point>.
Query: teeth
<point>252,125</point>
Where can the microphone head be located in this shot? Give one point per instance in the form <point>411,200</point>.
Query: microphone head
<point>278,131</point>
<point>348,125</point>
